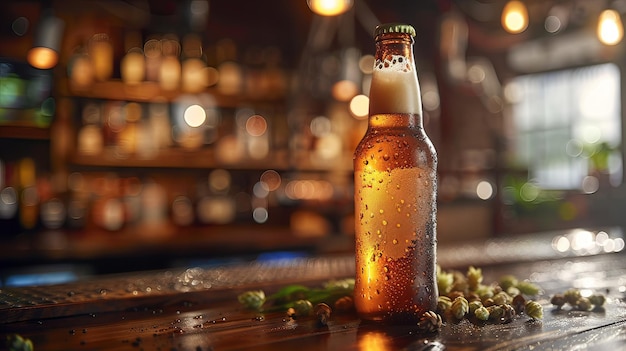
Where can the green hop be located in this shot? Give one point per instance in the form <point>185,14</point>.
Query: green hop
<point>572,296</point>
<point>597,300</point>
<point>341,284</point>
<point>583,304</point>
<point>443,304</point>
<point>502,298</point>
<point>253,299</point>
<point>474,305</point>
<point>482,313</point>
<point>474,277</point>
<point>303,308</point>
<point>528,288</point>
<point>507,281</point>
<point>534,309</point>
<point>16,342</point>
<point>444,281</point>
<point>460,307</point>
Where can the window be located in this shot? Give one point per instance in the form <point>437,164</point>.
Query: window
<point>567,124</point>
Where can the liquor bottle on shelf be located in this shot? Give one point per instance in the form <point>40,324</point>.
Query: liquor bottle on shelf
<point>90,139</point>
<point>28,195</point>
<point>9,201</point>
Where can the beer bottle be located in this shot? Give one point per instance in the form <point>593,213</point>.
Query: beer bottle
<point>395,179</point>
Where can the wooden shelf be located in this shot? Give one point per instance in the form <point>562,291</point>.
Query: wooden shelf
<point>152,92</point>
<point>24,131</point>
<point>180,158</point>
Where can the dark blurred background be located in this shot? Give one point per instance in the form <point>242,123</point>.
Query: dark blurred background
<point>149,134</point>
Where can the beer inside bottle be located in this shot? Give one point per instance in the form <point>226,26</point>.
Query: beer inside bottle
<point>395,191</point>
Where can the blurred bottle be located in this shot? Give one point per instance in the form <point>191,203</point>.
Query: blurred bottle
<point>101,53</point>
<point>170,69</point>
<point>53,209</point>
<point>29,196</point>
<point>113,122</point>
<point>108,210</point>
<point>90,139</point>
<point>154,210</point>
<point>160,126</point>
<point>395,190</point>
<point>215,205</point>
<point>78,201</point>
<point>128,136</point>
<point>9,201</point>
<point>133,64</point>
<point>80,69</point>
<point>231,79</point>
<point>194,68</point>
<point>182,211</point>
<point>275,79</point>
<point>154,55</point>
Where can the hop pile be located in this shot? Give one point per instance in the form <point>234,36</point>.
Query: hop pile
<point>574,298</point>
<point>465,296</point>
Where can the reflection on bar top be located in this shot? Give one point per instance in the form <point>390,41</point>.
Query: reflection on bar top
<point>531,247</point>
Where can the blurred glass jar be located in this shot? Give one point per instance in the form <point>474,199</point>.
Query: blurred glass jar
<point>101,53</point>
<point>133,66</point>
<point>170,69</point>
<point>80,69</point>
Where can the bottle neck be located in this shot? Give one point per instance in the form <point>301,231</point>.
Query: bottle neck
<point>396,120</point>
<point>395,88</point>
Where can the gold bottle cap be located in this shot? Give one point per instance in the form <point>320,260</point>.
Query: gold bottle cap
<point>394,28</point>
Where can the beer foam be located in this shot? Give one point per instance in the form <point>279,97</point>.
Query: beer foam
<point>395,88</point>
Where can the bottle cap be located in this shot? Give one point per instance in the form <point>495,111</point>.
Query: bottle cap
<point>394,28</point>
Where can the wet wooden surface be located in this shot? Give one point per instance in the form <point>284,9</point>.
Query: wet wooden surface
<point>197,309</point>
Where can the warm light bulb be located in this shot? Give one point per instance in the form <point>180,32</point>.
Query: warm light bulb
<point>329,7</point>
<point>46,43</point>
<point>515,17</point>
<point>42,57</point>
<point>610,28</point>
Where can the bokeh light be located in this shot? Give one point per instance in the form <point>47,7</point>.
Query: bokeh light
<point>359,106</point>
<point>194,116</point>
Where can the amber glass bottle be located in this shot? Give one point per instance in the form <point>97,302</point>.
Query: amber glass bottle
<point>395,180</point>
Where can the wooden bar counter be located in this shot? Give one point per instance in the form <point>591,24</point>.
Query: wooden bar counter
<point>197,308</point>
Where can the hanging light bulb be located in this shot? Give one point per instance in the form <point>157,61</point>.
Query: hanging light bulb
<point>610,27</point>
<point>515,17</point>
<point>329,7</point>
<point>45,51</point>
